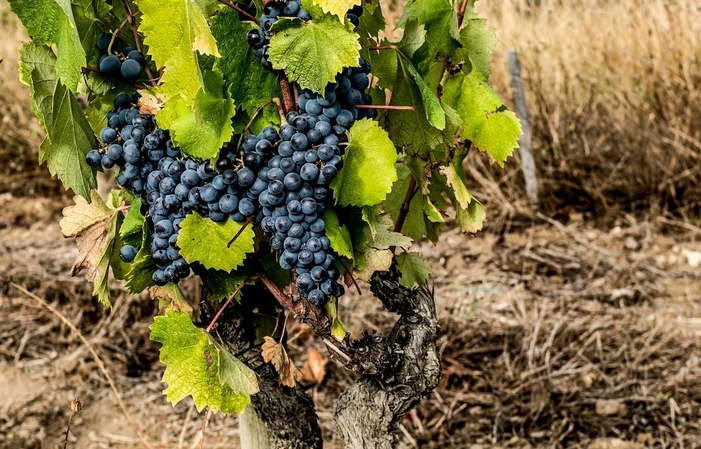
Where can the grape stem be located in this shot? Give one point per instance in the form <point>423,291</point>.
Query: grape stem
<point>137,39</point>
<point>240,231</point>
<point>228,301</point>
<point>382,47</point>
<point>410,192</point>
<point>310,315</point>
<point>287,95</point>
<point>239,9</point>
<point>384,106</point>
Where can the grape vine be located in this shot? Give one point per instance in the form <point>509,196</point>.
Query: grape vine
<point>279,143</point>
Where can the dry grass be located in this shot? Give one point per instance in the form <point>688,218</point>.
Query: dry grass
<point>613,91</point>
<point>20,133</point>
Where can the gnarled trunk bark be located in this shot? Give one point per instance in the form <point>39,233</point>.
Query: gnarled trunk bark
<point>368,413</point>
<point>278,417</point>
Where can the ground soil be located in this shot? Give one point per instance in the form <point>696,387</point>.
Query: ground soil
<point>553,335</point>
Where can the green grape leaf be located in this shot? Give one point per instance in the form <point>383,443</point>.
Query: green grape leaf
<point>486,121</point>
<point>220,283</point>
<point>369,151</point>
<point>94,227</point>
<point>416,224</point>
<point>204,241</point>
<point>69,136</point>
<point>423,128</point>
<point>478,45</point>
<point>98,108</point>
<point>130,231</point>
<point>51,22</point>
<point>338,235</point>
<point>249,84</point>
<point>235,374</point>
<point>199,367</point>
<point>170,297</point>
<point>174,32</point>
<point>371,23</point>
<point>471,219</point>
<point>140,277</point>
<point>373,253</point>
<point>200,130</point>
<point>440,20</point>
<point>414,270</point>
<point>90,17</point>
<point>37,69</point>
<point>337,7</point>
<point>337,329</point>
<point>312,53</point>
<point>68,140</point>
<point>454,180</point>
<point>275,272</point>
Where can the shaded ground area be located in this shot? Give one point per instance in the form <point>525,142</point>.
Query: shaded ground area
<point>552,336</point>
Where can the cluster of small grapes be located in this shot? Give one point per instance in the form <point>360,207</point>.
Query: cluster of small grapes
<point>144,154</point>
<point>125,65</point>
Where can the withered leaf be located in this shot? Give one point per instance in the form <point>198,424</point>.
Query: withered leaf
<point>314,368</point>
<point>275,353</point>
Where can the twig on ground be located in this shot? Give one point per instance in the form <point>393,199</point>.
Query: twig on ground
<point>96,356</point>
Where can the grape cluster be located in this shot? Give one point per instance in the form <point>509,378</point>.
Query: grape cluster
<point>259,39</point>
<point>126,65</point>
<point>277,180</point>
<point>144,154</point>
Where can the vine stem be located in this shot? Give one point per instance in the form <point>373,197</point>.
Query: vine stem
<point>410,192</point>
<point>382,47</point>
<point>239,9</point>
<point>309,314</point>
<point>384,106</point>
<point>96,356</point>
<point>240,231</point>
<point>288,99</point>
<point>137,39</point>
<point>228,301</point>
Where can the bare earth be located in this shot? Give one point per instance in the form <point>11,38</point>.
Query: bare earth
<point>564,336</point>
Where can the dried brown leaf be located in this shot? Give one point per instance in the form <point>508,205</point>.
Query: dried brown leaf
<point>274,352</point>
<point>92,225</point>
<point>314,368</point>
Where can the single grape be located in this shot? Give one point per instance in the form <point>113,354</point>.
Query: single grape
<point>130,69</point>
<point>111,66</point>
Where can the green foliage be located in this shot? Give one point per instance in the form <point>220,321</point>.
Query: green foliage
<point>204,241</point>
<point>197,109</point>
<point>413,268</point>
<point>337,7</point>
<point>197,366</point>
<point>486,121</point>
<point>338,235</point>
<point>369,151</point>
<point>312,53</point>
<point>246,80</point>
<point>68,133</point>
<point>51,22</point>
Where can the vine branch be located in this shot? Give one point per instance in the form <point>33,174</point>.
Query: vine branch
<point>384,106</point>
<point>410,192</point>
<point>242,11</point>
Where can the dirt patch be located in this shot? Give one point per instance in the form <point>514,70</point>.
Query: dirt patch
<point>551,336</point>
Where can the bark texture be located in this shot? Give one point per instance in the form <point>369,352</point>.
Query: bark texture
<point>367,414</point>
<point>288,414</point>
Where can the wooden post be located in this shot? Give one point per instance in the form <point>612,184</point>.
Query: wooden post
<point>524,141</point>
<point>252,430</point>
